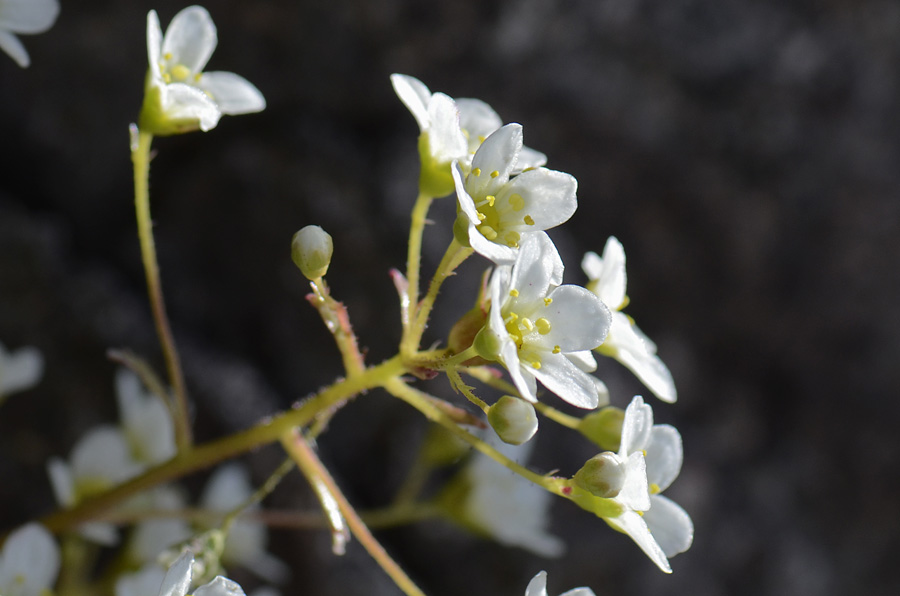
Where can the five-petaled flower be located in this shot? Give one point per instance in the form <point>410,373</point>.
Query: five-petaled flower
<point>179,96</point>
<point>24,16</point>
<point>542,331</point>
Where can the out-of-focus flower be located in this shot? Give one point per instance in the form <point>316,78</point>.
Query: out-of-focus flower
<point>626,343</point>
<point>24,16</point>
<point>29,562</point>
<point>179,96</point>
<point>499,210</point>
<point>538,587</point>
<point>151,581</point>
<point>146,421</point>
<point>536,328</point>
<point>21,369</point>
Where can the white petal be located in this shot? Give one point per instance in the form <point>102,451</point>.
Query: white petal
<point>228,487</point>
<point>178,578</point>
<point>466,203</point>
<point>524,381</point>
<point>637,353</point>
<point>103,456</point>
<point>635,493</point>
<point>154,42</point>
<point>538,267</point>
<point>220,587</point>
<point>28,16</point>
<point>664,455</point>
<point>529,159</point>
<point>30,555</point>
<point>183,102</point>
<point>583,359</point>
<point>579,592</point>
<point>61,481</point>
<point>496,154</point>
<point>103,533</point>
<point>20,370</point>
<point>10,44</point>
<point>152,537</point>
<point>145,582</point>
<point>415,96</point>
<point>566,380</point>
<point>670,524</point>
<point>579,320</point>
<point>637,426</point>
<point>233,94</point>
<point>445,139</point>
<point>496,253</point>
<point>633,524</point>
<point>190,38</point>
<point>478,120</point>
<point>549,196</point>
<point>538,585</point>
<point>608,273</point>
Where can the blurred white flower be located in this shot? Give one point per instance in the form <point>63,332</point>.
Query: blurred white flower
<point>537,328</point>
<point>499,209</point>
<point>538,587</point>
<point>506,507</point>
<point>179,96</point>
<point>21,369</point>
<point>29,562</point>
<point>626,343</point>
<point>245,545</point>
<point>153,536</point>
<point>145,419</point>
<point>24,16</point>
<point>152,581</point>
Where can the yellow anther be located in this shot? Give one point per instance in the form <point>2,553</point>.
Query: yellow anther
<point>644,451</point>
<point>197,77</point>
<point>476,172</point>
<point>514,293</point>
<point>180,72</point>
<point>529,220</point>
<point>481,216</point>
<point>495,173</point>
<point>167,77</point>
<point>548,301</point>
<point>556,350</point>
<point>516,202</point>
<point>512,239</point>
<point>654,489</point>
<point>465,132</point>
<point>543,326</point>
<point>641,513</point>
<point>625,301</point>
<point>490,199</point>
<point>167,55</point>
<point>526,322</point>
<point>512,317</point>
<point>481,138</point>
<point>487,231</point>
<point>536,365</point>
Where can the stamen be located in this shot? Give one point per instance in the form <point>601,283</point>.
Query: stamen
<point>197,77</point>
<point>476,172</point>
<point>543,326</point>
<point>481,138</point>
<point>548,301</point>
<point>526,322</point>
<point>495,173</point>
<point>654,489</point>
<point>481,216</point>
<point>529,220</point>
<point>180,72</point>
<point>167,77</point>
<point>556,349</point>
<point>512,239</point>
<point>490,200</point>
<point>516,202</point>
<point>167,55</point>
<point>514,293</point>
<point>487,231</point>
<point>536,365</point>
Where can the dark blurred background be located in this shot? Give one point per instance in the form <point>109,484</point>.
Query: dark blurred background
<point>745,153</point>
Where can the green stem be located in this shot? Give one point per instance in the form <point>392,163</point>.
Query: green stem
<point>204,456</point>
<point>413,266</point>
<point>336,318</point>
<point>140,157</point>
<point>306,460</point>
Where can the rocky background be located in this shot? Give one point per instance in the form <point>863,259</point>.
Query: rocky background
<point>745,153</point>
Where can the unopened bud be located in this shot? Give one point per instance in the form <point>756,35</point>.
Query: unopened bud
<point>514,420</point>
<point>311,250</point>
<point>604,428</point>
<point>603,475</point>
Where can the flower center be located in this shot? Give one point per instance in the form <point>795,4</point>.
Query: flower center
<point>177,73</point>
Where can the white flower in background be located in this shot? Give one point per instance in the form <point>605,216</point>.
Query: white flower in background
<point>153,536</point>
<point>670,525</point>
<point>450,130</point>
<point>626,343</point>
<point>228,488</point>
<point>498,211</point>
<point>506,507</point>
<point>21,369</point>
<point>151,581</point>
<point>146,421</point>
<point>29,562</point>
<point>24,16</point>
<point>538,587</point>
<point>536,328</point>
<point>179,96</point>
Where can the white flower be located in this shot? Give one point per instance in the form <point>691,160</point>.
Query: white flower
<point>626,343</point>
<point>153,536</point>
<point>24,16</point>
<point>538,587</point>
<point>507,507</point>
<point>536,328</point>
<point>179,96</point>
<point>22,369</point>
<point>146,421</point>
<point>662,529</point>
<point>228,488</point>
<point>29,562</point>
<point>450,130</point>
<point>499,211</point>
<point>150,581</point>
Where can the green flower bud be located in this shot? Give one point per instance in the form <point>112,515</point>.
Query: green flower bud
<point>514,420</point>
<point>603,475</point>
<point>435,179</point>
<point>466,328</point>
<point>604,427</point>
<point>311,250</point>
<point>487,344</point>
